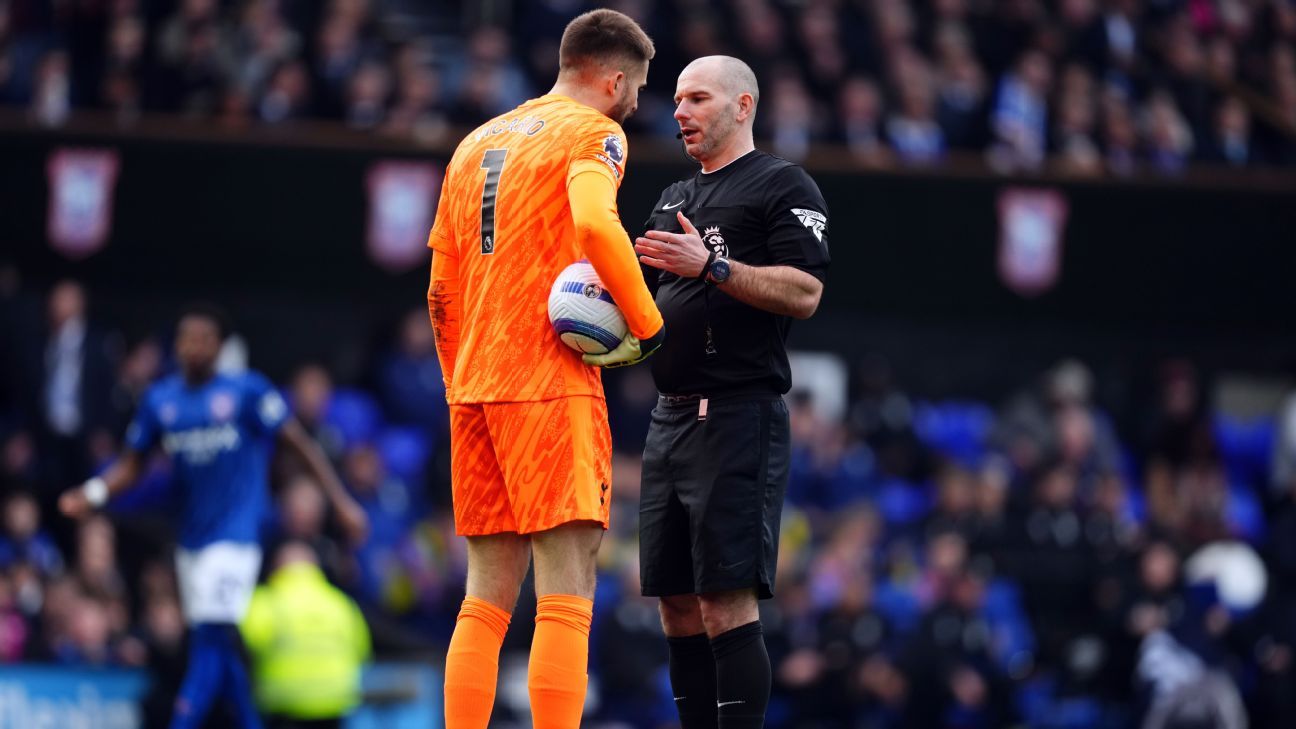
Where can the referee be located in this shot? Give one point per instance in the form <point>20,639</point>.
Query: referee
<point>735,252</point>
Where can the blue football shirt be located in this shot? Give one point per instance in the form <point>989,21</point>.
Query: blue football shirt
<point>218,435</point>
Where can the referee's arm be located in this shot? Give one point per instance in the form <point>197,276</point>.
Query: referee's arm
<point>783,290</point>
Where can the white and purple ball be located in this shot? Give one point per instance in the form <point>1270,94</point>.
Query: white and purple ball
<point>583,313</point>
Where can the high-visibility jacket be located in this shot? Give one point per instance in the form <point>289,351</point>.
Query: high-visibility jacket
<point>308,642</point>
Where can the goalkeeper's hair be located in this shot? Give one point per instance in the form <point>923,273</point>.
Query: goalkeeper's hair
<point>603,38</point>
<point>210,312</point>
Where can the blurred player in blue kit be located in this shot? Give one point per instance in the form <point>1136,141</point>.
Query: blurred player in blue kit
<point>217,429</point>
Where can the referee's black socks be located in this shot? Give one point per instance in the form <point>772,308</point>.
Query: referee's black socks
<point>693,680</point>
<point>742,677</point>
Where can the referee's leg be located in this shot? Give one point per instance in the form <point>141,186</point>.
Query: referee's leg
<point>690,661</point>
<point>742,665</point>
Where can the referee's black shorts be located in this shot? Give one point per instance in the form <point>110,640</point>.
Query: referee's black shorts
<point>712,496</point>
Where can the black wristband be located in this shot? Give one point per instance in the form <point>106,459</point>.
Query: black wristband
<point>706,267</point>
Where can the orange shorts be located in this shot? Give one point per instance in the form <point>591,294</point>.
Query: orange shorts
<point>530,466</point>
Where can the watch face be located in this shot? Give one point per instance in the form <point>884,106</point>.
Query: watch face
<point>720,270</point>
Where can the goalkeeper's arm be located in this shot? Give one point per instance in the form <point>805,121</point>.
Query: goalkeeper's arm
<point>598,231</point>
<point>444,309</point>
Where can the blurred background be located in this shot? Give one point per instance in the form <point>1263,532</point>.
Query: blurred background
<point>1044,421</point>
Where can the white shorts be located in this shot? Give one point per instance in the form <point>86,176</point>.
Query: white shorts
<point>216,582</point>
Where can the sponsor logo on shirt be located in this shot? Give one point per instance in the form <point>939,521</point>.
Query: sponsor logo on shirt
<point>200,446</point>
<point>607,161</point>
<point>815,221</point>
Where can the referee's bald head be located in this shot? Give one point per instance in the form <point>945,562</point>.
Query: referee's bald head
<point>732,74</point>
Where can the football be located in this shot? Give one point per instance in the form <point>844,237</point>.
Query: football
<point>582,311</point>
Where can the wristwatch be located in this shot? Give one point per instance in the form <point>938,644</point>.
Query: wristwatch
<point>718,272</point>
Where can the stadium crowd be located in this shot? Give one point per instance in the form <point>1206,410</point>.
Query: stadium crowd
<point>944,564</point>
<point>1077,86</point>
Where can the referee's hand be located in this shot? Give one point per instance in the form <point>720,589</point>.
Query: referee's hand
<point>683,254</point>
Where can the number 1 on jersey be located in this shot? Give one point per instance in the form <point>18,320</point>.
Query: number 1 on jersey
<point>493,163</point>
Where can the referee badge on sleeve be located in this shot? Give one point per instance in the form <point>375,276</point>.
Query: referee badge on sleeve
<point>813,220</point>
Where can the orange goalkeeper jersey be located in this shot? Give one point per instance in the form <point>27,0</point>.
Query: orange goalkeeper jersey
<point>504,225</point>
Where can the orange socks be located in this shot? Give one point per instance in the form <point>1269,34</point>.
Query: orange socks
<point>472,664</point>
<point>556,675</point>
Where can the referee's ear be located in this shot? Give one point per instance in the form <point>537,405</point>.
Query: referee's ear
<point>746,106</point>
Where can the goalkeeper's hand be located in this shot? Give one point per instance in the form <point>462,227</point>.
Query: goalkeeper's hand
<point>629,351</point>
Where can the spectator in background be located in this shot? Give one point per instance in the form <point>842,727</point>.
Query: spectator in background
<point>13,624</point>
<point>1055,419</point>
<point>416,110</point>
<point>69,378</point>
<point>628,656</point>
<point>1020,116</point>
<point>179,28</point>
<point>122,75</point>
<point>190,83</point>
<point>1074,128</point>
<point>825,59</point>
<point>859,114</point>
<point>409,378</point>
<point>366,97</point>
<point>760,30</point>
<point>18,466</point>
<point>308,642</point>
<point>792,124</point>
<point>991,528</point>
<point>1178,431</point>
<point>487,81</point>
<point>1051,561</point>
<point>141,366</point>
<point>302,514</point>
<point>882,416</point>
<point>96,567</point>
<point>961,87</point>
<point>912,128</point>
<point>386,501</point>
<point>949,664</point>
<point>339,51</point>
<point>287,96</point>
<point>262,42</point>
<point>51,98</point>
<point>1283,460</point>
<point>1120,41</point>
<point>310,390</point>
<point>1169,138</point>
<point>1120,134</point>
<point>162,631</point>
<point>1230,136</point>
<point>24,540</point>
<point>955,503</point>
<point>88,639</point>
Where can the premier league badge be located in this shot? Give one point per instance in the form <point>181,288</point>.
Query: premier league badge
<point>614,149</point>
<point>716,242</point>
<point>222,406</point>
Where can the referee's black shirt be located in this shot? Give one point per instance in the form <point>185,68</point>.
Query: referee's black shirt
<point>760,210</point>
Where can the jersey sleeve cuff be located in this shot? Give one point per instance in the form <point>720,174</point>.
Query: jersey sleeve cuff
<point>649,345</point>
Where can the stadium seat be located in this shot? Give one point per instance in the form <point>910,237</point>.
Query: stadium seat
<point>355,415</point>
<point>902,503</point>
<point>405,450</point>
<point>956,429</point>
<point>1245,514</point>
<point>1246,446</point>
